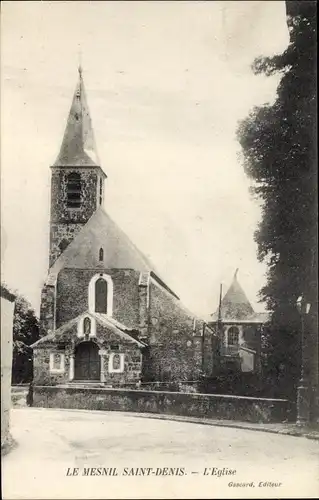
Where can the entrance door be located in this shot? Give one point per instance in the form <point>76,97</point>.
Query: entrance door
<point>87,362</point>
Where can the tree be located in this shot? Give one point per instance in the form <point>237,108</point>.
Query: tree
<point>25,333</point>
<point>279,150</point>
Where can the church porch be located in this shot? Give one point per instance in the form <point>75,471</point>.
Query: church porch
<point>88,350</point>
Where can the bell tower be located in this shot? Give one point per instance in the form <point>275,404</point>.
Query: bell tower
<point>77,180</point>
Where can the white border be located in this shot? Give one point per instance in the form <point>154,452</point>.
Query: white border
<point>91,293</point>
<point>62,362</point>
<point>116,370</point>
<point>240,336</point>
<point>81,333</point>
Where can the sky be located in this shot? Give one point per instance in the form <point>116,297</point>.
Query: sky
<point>166,84</point>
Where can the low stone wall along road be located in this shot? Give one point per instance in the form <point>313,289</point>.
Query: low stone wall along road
<point>75,454</point>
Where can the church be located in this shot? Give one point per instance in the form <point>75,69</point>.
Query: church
<point>107,317</point>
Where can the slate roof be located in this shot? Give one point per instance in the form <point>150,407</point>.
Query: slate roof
<point>236,308</point>
<point>111,323</point>
<point>79,149</point>
<point>78,146</point>
<point>119,251</point>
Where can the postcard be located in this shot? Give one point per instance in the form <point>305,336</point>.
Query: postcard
<point>159,300</point>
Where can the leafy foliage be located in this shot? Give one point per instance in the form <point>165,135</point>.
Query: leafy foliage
<point>25,333</point>
<point>279,151</point>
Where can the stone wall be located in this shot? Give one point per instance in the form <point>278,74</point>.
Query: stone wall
<point>175,339</point>
<point>180,347</point>
<point>7,311</point>
<point>169,403</point>
<point>47,309</point>
<point>41,366</point>
<point>72,294</point>
<point>60,237</point>
<point>106,340</point>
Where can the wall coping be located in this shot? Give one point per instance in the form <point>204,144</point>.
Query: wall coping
<point>121,390</point>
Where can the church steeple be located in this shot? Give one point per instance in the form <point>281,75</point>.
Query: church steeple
<point>77,182</point>
<point>78,146</point>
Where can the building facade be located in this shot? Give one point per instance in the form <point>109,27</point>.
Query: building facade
<point>239,330</point>
<point>106,314</point>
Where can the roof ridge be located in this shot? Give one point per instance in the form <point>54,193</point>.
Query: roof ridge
<point>136,259</point>
<point>101,318</point>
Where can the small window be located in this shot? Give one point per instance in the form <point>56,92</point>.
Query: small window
<point>101,255</point>
<point>114,347</point>
<point>233,336</point>
<point>73,190</point>
<point>87,326</point>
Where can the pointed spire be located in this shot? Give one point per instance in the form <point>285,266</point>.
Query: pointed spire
<point>78,146</point>
<point>235,304</point>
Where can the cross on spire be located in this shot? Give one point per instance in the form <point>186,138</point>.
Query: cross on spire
<point>80,62</point>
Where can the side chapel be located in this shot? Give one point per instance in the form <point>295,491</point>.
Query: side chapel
<point>106,314</point>
<point>239,330</point>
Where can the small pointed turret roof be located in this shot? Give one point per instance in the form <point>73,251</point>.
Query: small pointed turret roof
<point>235,304</point>
<point>78,146</point>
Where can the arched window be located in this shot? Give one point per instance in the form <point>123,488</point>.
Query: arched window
<point>101,191</point>
<point>233,336</point>
<point>73,190</point>
<point>101,296</point>
<point>101,255</point>
<point>87,326</point>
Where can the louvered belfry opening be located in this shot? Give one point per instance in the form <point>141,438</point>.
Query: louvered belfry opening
<point>73,190</point>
